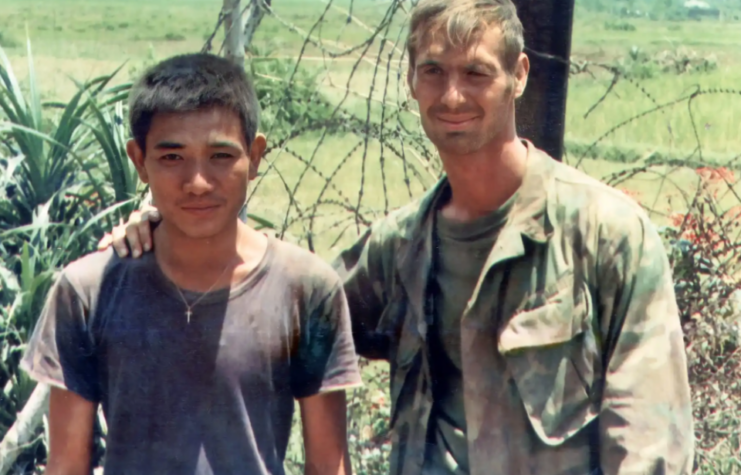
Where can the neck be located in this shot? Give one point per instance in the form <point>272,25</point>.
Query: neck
<point>484,180</point>
<point>196,264</point>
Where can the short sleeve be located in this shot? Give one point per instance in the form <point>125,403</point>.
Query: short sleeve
<point>60,351</point>
<point>325,359</point>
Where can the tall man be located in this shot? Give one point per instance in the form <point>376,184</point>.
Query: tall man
<point>197,351</point>
<point>527,310</point>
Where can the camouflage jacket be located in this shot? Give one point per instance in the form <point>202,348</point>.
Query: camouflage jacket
<point>579,369</point>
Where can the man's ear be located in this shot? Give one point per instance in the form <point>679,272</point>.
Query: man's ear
<point>522,70</point>
<point>257,150</point>
<point>410,81</point>
<point>136,155</point>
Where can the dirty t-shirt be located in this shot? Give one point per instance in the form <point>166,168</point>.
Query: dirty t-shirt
<point>213,396</point>
<point>460,254</point>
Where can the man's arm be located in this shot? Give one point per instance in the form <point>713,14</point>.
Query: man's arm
<point>361,268</point>
<point>323,417</point>
<point>646,422</point>
<point>71,419</point>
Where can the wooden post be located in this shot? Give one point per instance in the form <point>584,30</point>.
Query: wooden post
<point>24,427</point>
<point>541,111</point>
<point>233,33</point>
<point>254,16</point>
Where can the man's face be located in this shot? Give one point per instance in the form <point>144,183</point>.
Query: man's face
<point>198,166</point>
<point>466,97</point>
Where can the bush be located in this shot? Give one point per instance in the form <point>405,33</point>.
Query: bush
<point>703,246</point>
<point>7,41</point>
<point>638,64</point>
<point>174,37</point>
<point>619,26</point>
<point>285,109</point>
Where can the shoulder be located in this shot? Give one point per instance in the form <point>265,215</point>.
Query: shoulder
<point>88,274</point>
<point>302,269</point>
<point>588,206</point>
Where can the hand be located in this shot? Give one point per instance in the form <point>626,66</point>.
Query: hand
<point>137,231</point>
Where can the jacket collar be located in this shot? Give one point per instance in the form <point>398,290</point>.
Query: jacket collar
<point>531,218</point>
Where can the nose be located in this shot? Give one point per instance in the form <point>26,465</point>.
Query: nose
<point>453,94</point>
<point>198,182</point>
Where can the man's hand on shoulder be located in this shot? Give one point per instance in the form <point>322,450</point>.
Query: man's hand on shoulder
<point>136,232</point>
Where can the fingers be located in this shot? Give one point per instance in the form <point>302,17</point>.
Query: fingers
<point>118,240</point>
<point>132,233</point>
<point>144,228</point>
<point>136,234</point>
<point>105,242</point>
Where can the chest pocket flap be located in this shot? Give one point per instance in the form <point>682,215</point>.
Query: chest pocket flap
<point>550,354</point>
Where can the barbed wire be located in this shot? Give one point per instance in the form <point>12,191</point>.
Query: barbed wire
<point>363,87</point>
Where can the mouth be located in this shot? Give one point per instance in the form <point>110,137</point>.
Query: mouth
<point>456,123</point>
<point>200,210</point>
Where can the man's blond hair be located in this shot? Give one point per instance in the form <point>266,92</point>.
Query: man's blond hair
<point>462,21</point>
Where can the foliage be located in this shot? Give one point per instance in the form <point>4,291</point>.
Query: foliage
<point>286,109</point>
<point>620,26</point>
<point>703,244</point>
<point>638,64</point>
<point>64,178</point>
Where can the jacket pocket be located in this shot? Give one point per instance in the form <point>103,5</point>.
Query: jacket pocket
<point>551,354</point>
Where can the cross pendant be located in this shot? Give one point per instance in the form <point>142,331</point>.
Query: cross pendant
<point>188,313</point>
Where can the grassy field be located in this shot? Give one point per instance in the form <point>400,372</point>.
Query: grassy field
<point>81,39</point>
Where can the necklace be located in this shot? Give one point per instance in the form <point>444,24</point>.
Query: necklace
<point>189,307</point>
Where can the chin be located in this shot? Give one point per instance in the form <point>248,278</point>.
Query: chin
<point>200,228</point>
<point>458,145</point>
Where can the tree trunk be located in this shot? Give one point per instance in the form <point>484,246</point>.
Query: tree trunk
<point>25,425</point>
<point>541,111</point>
<point>254,17</point>
<point>234,37</point>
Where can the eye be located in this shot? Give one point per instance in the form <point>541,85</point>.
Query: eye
<point>432,70</point>
<point>171,157</point>
<point>223,155</point>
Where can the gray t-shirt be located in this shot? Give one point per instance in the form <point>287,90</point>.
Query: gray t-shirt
<point>213,396</point>
<point>460,255</point>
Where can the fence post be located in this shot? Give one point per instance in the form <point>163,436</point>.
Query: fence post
<point>541,111</point>
<point>233,33</point>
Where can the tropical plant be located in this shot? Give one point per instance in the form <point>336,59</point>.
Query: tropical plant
<point>64,179</point>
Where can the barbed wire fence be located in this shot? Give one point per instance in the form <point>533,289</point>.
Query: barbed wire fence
<point>355,150</point>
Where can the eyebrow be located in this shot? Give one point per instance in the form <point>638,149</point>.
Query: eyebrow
<point>167,145</point>
<point>428,62</point>
<point>224,144</point>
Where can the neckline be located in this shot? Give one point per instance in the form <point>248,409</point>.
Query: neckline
<point>169,287</point>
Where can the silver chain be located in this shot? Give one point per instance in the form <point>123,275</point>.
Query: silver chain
<point>189,311</point>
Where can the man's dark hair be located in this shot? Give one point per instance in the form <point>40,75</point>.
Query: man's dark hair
<point>190,82</point>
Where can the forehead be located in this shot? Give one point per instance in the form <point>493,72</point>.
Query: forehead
<point>486,46</point>
<point>196,128</point>
<point>199,121</point>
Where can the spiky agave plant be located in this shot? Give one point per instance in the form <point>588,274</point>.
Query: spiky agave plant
<point>64,178</point>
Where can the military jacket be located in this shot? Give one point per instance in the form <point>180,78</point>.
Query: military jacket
<point>579,369</point>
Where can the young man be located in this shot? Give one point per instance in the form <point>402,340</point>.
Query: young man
<point>197,351</point>
<point>527,310</point>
